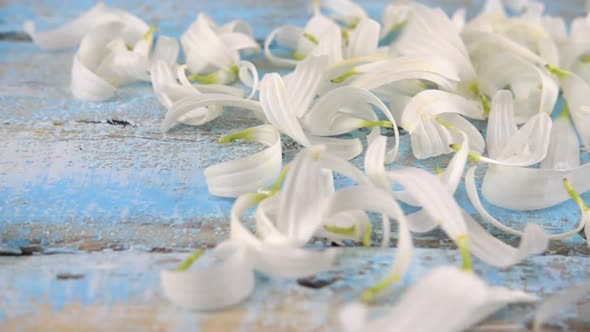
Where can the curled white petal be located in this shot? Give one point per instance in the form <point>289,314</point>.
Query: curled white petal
<point>236,177</point>
<point>576,92</point>
<point>275,101</point>
<point>429,137</point>
<point>501,122</point>
<point>520,188</point>
<point>429,68</point>
<point>363,40</point>
<point>564,146</point>
<point>301,201</point>
<point>422,221</point>
<point>285,36</point>
<point>373,199</point>
<point>331,111</point>
<point>445,300</point>
<point>86,83</point>
<point>345,148</point>
<point>489,249</point>
<point>226,283</point>
<point>431,29</point>
<point>197,102</point>
<point>374,162</point>
<point>71,33</point>
<point>249,76</point>
<point>430,193</point>
<point>303,82</point>
<point>474,198</point>
<point>525,147</point>
<point>283,261</point>
<point>166,50</point>
<point>344,10</point>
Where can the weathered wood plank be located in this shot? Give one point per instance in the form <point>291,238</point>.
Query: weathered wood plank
<point>121,291</point>
<point>71,181</point>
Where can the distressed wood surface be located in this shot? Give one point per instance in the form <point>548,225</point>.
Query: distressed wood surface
<point>102,200</point>
<point>119,291</point>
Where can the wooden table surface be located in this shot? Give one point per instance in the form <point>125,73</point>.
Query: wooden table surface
<point>91,210</point>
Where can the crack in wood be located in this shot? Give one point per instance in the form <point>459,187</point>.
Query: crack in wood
<point>15,36</point>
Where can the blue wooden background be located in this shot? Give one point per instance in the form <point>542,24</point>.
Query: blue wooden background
<point>101,205</point>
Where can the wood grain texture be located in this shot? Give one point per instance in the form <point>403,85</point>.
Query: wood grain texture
<point>74,180</point>
<point>120,291</point>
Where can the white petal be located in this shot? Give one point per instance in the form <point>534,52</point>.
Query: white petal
<point>431,29</point>
<point>429,68</point>
<point>88,86</point>
<point>499,42</point>
<point>345,148</point>
<point>236,26</point>
<point>564,146</point>
<point>519,188</point>
<point>329,44</point>
<point>452,175</point>
<point>236,41</point>
<point>249,76</point>
<point>501,123</point>
<point>373,199</point>
<point>429,137</point>
<point>334,112</point>
<point>357,219</point>
<point>166,50</point>
<point>290,262</point>
<point>529,145</point>
<point>375,162</point>
<point>450,299</point>
<point>364,39</point>
<point>203,46</point>
<point>489,249</point>
<point>324,113</point>
<point>196,102</point>
<point>474,198</point>
<point>434,102</point>
<point>71,33</point>
<point>395,16</point>
<point>459,18</point>
<point>421,221</point>
<point>339,165</point>
<point>576,92</point>
<point>301,201</point>
<point>287,36</point>
<point>166,87</point>
<point>277,260</point>
<point>476,141</point>
<point>353,317</point>
<point>130,67</point>
<point>344,10</point>
<point>552,306</point>
<point>86,83</point>
<point>221,285</point>
<point>236,177</point>
<point>430,193</point>
<point>276,103</point>
<point>303,82</point>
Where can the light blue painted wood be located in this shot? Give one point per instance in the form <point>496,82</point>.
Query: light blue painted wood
<point>97,282</point>
<point>68,183</point>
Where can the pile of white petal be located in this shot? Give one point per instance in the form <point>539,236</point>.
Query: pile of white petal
<point>438,77</point>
